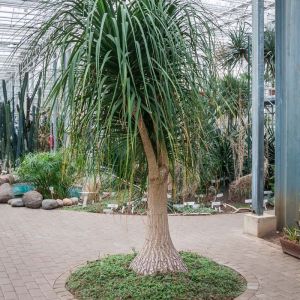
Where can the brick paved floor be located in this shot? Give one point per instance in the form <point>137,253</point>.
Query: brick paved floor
<point>37,247</point>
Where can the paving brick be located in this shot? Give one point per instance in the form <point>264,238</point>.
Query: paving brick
<point>36,293</point>
<point>7,288</point>
<point>21,290</point>
<point>31,285</point>
<point>4,281</point>
<point>25,297</point>
<point>38,246</point>
<point>10,295</point>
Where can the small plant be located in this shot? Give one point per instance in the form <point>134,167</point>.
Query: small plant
<point>202,209</point>
<point>292,234</point>
<point>47,170</point>
<point>290,242</point>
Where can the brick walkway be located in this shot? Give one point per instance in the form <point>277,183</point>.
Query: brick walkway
<point>38,248</point>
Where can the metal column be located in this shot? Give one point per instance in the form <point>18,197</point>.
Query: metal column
<point>66,57</point>
<point>54,114</point>
<point>287,185</point>
<point>258,106</point>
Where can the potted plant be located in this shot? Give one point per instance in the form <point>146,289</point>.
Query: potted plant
<point>290,242</point>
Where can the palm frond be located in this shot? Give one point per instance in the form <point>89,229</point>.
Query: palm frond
<point>142,59</point>
<point>237,49</point>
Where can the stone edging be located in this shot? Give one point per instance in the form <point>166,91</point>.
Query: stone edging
<point>59,285</point>
<point>60,289</point>
<point>252,281</point>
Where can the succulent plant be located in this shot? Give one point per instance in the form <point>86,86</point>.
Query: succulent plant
<point>19,128</point>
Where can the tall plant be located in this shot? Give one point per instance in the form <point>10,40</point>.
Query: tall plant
<point>269,54</point>
<point>236,51</point>
<point>19,125</point>
<point>135,71</point>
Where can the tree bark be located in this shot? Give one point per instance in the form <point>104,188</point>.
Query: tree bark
<point>158,254</point>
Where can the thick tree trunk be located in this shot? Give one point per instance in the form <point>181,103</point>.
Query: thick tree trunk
<point>158,254</point>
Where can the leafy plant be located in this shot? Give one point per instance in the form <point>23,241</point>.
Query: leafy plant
<point>237,49</point>
<point>228,144</point>
<point>269,54</point>
<point>292,234</point>
<point>200,210</point>
<point>45,170</point>
<point>270,155</point>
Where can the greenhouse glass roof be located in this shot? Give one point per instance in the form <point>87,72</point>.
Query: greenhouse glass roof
<point>18,18</point>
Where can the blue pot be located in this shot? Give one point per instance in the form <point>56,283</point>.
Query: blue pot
<point>19,189</point>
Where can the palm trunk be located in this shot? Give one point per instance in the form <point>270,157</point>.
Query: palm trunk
<point>158,254</point>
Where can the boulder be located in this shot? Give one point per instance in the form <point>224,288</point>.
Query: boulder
<point>49,204</point>
<point>32,199</point>
<point>60,203</point>
<point>16,202</point>
<point>8,178</point>
<point>67,202</point>
<point>6,192</point>
<point>74,200</point>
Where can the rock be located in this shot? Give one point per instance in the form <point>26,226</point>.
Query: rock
<point>74,200</point>
<point>6,192</point>
<point>17,202</point>
<point>60,203</point>
<point>67,202</point>
<point>32,199</point>
<point>49,204</point>
<point>8,178</point>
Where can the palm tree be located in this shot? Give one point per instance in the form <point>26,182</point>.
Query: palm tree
<point>133,78</point>
<point>236,50</point>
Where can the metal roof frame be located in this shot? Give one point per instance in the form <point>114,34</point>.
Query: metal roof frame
<point>18,18</point>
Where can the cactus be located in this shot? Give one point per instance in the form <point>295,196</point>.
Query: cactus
<point>15,141</point>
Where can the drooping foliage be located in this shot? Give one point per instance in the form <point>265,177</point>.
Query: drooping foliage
<point>129,61</point>
<point>228,145</point>
<point>237,49</point>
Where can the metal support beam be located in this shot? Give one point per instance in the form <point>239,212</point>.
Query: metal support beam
<point>66,111</point>
<point>249,158</point>
<point>258,106</point>
<point>287,183</point>
<point>53,139</point>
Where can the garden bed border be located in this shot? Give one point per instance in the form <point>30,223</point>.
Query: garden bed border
<point>60,289</point>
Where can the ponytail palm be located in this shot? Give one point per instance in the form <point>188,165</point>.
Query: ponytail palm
<point>133,80</point>
<point>237,49</point>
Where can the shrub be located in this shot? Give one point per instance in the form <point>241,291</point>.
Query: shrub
<point>45,170</point>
